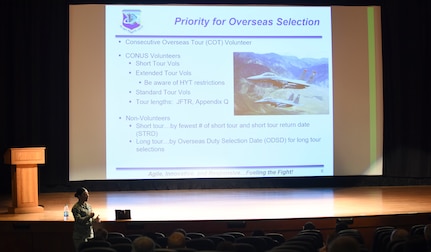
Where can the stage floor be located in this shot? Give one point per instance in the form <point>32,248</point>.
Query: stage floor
<point>237,204</point>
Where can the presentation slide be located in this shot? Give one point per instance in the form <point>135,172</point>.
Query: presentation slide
<point>199,91</point>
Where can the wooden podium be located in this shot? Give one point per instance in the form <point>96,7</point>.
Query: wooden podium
<point>25,192</point>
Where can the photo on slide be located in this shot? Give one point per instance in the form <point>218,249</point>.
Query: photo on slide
<point>276,84</point>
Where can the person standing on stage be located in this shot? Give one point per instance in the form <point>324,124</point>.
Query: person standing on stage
<point>84,218</point>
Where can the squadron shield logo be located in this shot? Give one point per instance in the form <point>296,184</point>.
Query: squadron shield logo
<point>131,20</point>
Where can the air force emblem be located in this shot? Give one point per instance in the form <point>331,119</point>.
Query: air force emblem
<point>132,20</point>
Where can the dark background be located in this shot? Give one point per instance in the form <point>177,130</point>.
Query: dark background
<point>34,96</point>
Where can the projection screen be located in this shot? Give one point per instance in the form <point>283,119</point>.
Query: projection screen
<point>205,91</point>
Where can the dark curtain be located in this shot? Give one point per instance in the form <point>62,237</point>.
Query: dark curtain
<point>34,90</point>
<point>407,104</point>
<point>34,95</point>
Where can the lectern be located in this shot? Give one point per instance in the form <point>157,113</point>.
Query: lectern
<point>25,192</point>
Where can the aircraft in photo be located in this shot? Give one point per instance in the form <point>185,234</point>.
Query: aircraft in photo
<point>283,82</point>
<point>278,102</point>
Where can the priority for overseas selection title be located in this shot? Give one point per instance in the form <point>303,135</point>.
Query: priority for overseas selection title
<point>246,22</point>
